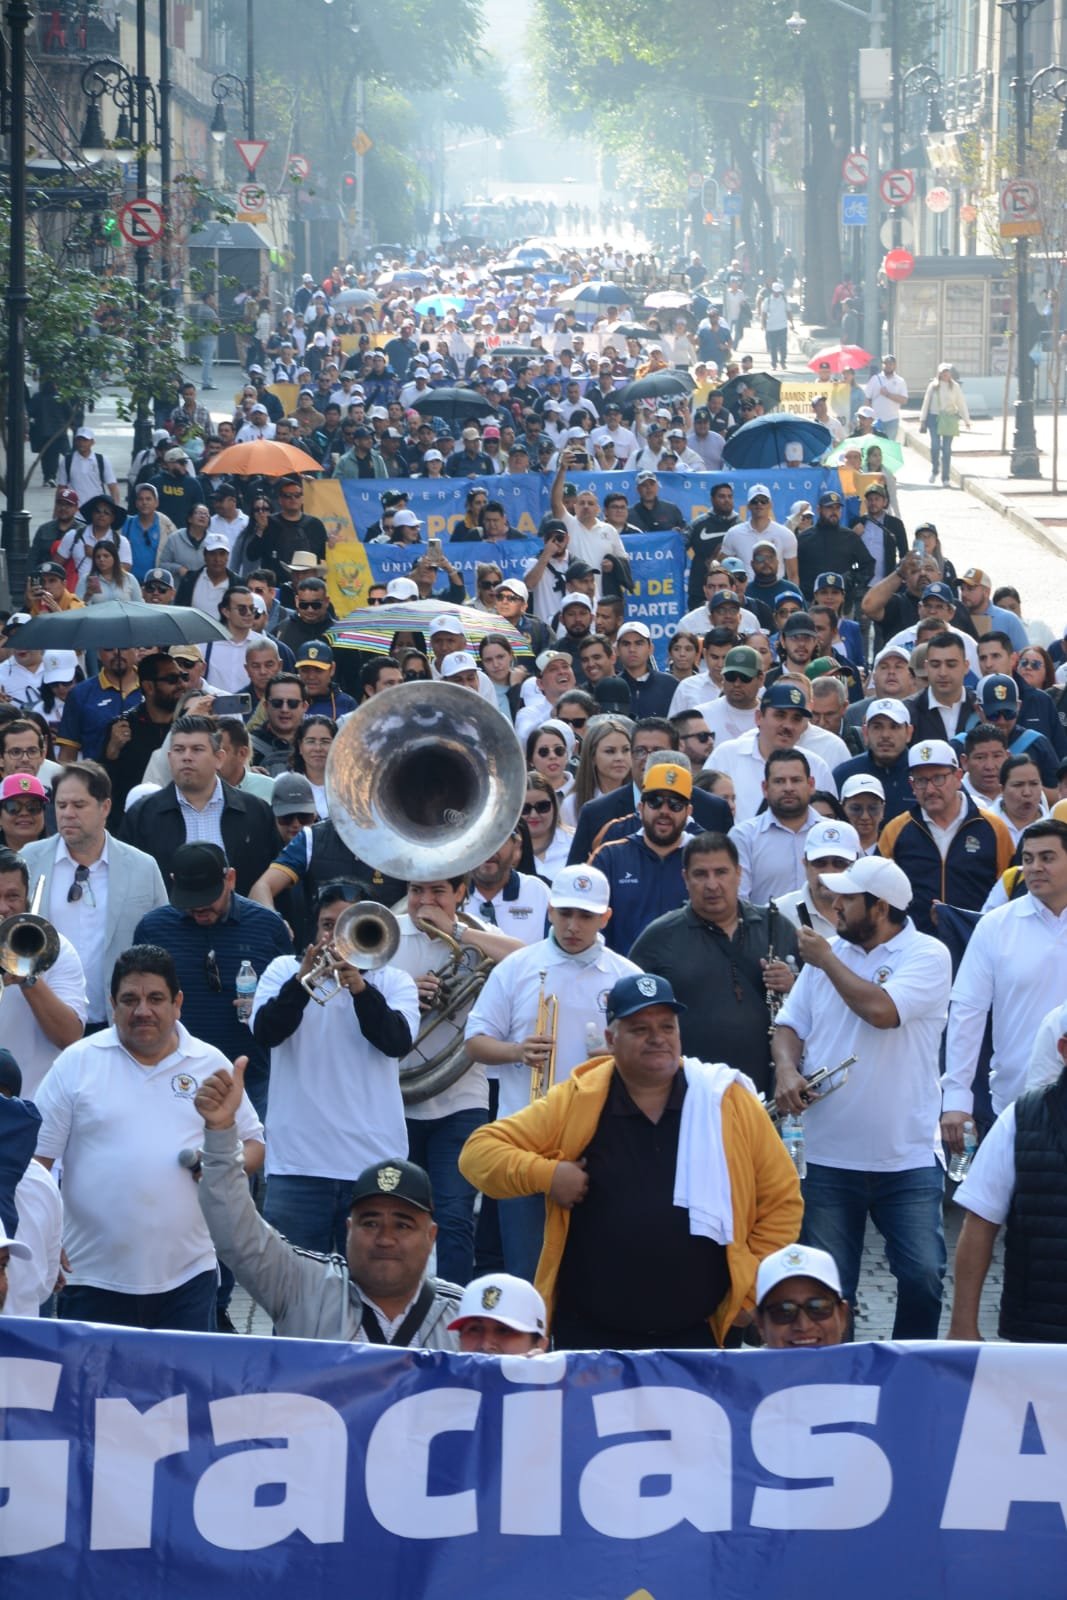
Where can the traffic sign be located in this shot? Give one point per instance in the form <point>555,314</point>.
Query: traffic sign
<point>731,205</point>
<point>968,213</point>
<point>141,222</point>
<point>938,200</point>
<point>855,169</point>
<point>899,264</point>
<point>853,210</point>
<point>1019,205</point>
<point>299,168</point>
<point>251,151</point>
<point>362,143</point>
<point>897,187</point>
<point>896,230</point>
<point>696,182</point>
<point>731,180</point>
<point>251,197</point>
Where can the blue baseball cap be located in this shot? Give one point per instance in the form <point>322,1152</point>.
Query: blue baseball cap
<point>638,993</point>
<point>939,591</point>
<point>785,697</point>
<point>735,564</point>
<point>724,597</point>
<point>829,580</point>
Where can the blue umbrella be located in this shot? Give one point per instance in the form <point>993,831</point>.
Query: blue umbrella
<point>439,305</point>
<point>596,293</point>
<point>762,442</point>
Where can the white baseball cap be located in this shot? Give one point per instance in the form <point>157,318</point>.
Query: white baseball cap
<point>514,586</point>
<point>456,662</point>
<point>895,710</point>
<point>932,753</point>
<point>446,624</point>
<point>862,783</point>
<point>577,599</point>
<point>892,650</point>
<point>755,491</point>
<point>401,589</point>
<point>832,838</point>
<point>19,1249</point>
<point>405,519</point>
<point>60,666</point>
<point>580,888</point>
<point>641,628</point>
<point>432,455</point>
<point>217,541</point>
<point>873,875</point>
<point>796,1261</point>
<point>505,1299</point>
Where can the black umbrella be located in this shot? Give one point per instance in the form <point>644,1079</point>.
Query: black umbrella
<point>518,352</point>
<point>658,386</point>
<point>768,390</point>
<point>119,625</point>
<point>631,330</point>
<point>454,405</point>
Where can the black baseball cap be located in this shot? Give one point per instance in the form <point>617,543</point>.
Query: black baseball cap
<point>397,1180</point>
<point>197,876</point>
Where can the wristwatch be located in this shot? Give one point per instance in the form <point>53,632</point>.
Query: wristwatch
<point>28,983</point>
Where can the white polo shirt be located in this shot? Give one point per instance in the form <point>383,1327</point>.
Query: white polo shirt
<point>133,1221</point>
<point>84,921</point>
<point>592,544</point>
<point>886,1117</point>
<point>22,1033</point>
<point>724,720</point>
<point>417,955</point>
<point>990,1182</point>
<point>335,1101</point>
<point>787,904</point>
<point>1014,963</point>
<point>506,1009</point>
<point>743,538</point>
<point>741,760</point>
<point>519,910</point>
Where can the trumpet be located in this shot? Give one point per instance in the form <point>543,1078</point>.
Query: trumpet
<point>543,1075</point>
<point>29,944</point>
<point>821,1084</point>
<point>366,935</point>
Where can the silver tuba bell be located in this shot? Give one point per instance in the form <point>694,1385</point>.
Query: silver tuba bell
<point>366,935</point>
<point>28,944</point>
<point>425,780</point>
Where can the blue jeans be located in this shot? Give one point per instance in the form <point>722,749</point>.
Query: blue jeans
<point>522,1233</point>
<point>189,1308</point>
<point>435,1145</point>
<point>905,1207</point>
<point>311,1213</point>
<point>206,349</point>
<point>890,428</point>
<point>940,451</point>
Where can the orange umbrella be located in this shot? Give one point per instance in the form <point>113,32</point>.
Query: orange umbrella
<point>267,457</point>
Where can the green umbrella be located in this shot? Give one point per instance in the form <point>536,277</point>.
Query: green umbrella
<point>892,454</point>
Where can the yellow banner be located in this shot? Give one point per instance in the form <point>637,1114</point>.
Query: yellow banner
<point>798,393</point>
<point>348,574</point>
<point>286,393</point>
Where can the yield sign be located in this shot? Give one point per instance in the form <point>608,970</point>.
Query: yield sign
<point>250,151</point>
<point>897,187</point>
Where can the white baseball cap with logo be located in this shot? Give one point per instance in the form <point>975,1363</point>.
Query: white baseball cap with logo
<point>446,624</point>
<point>580,888</point>
<point>456,662</point>
<point>499,1297</point>
<point>895,710</point>
<point>832,839</point>
<point>932,753</point>
<point>401,589</point>
<point>862,783</point>
<point>796,1261</point>
<point>873,875</point>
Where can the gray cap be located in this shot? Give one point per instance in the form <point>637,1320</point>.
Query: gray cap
<point>292,795</point>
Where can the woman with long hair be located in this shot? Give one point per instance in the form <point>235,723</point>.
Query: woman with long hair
<point>106,579</point>
<point>548,750</point>
<point>942,415</point>
<point>604,765</point>
<point>927,535</point>
<point>549,837</point>
<point>311,747</point>
<point>683,655</point>
<point>497,660</point>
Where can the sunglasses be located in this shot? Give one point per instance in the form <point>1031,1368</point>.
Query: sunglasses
<point>1000,715</point>
<point>288,705</point>
<point>1031,661</point>
<point>539,808</point>
<point>178,677</point>
<point>735,677</point>
<point>80,887</point>
<point>158,588</point>
<point>701,738</point>
<point>551,750</point>
<point>761,499</point>
<point>820,1308</point>
<point>656,802</point>
<point>26,808</point>
<point>306,819</point>
<point>212,973</point>
<point>243,611</point>
<point>291,494</point>
<point>309,605</point>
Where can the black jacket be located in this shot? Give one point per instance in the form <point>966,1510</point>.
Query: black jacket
<point>926,719</point>
<point>1033,1306</point>
<point>156,826</point>
<point>709,810</point>
<point>826,548</point>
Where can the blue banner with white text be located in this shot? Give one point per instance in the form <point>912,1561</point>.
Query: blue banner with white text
<point>164,1465</point>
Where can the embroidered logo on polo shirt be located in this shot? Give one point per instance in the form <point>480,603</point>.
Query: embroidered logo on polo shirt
<point>516,913</point>
<point>628,877</point>
<point>491,1297</point>
<point>388,1178</point>
<point>882,974</point>
<point>184,1085</point>
<point>972,845</point>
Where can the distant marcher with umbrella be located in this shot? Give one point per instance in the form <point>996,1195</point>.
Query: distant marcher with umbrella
<point>944,409</point>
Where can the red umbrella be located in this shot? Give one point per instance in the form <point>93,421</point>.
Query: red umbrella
<point>840,356</point>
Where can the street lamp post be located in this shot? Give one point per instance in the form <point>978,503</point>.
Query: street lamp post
<point>165,266</point>
<point>16,519</point>
<point>228,86</point>
<point>1024,456</point>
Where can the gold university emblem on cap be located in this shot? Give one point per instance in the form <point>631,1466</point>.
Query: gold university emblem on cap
<point>794,1257</point>
<point>647,987</point>
<point>670,776</point>
<point>491,1297</point>
<point>582,884</point>
<point>1000,691</point>
<point>388,1178</point>
<point>795,697</point>
<point>926,751</point>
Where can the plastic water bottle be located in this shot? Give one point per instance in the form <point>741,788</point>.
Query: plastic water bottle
<point>246,990</point>
<point>793,1139</point>
<point>959,1166</point>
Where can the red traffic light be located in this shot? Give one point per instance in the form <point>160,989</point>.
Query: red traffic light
<point>348,186</point>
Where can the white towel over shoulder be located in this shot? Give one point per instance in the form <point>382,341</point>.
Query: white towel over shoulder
<point>702,1176</point>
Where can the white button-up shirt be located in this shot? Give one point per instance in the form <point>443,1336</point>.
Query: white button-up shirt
<point>1015,963</point>
<point>885,1118</point>
<point>742,760</point>
<point>772,855</point>
<point>83,921</point>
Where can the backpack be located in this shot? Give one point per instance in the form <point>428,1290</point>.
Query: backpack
<point>100,467</point>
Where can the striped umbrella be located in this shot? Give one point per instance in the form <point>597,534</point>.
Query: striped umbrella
<point>372,627</point>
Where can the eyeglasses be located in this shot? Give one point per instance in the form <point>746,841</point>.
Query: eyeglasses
<point>290,494</point>
<point>820,1308</point>
<point>212,973</point>
<point>700,738</point>
<point>863,808</point>
<point>545,750</point>
<point>575,722</point>
<point>309,605</point>
<point>539,808</point>
<point>937,781</point>
<point>287,705</point>
<point>656,802</point>
<point>26,808</point>
<point>488,583</point>
<point>1032,661</point>
<point>80,887</point>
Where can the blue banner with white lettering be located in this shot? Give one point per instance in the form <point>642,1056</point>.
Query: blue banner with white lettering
<point>440,502</point>
<point>164,1465</point>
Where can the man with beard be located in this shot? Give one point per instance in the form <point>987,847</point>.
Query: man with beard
<point>771,844</point>
<point>644,871</point>
<point>828,547</point>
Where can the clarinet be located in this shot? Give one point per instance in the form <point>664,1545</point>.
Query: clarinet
<point>774,1000</point>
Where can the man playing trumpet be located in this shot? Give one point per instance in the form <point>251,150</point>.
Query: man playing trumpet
<point>879,992</point>
<point>574,966</point>
<point>665,1183</point>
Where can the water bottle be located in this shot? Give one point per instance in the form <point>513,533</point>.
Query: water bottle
<point>959,1166</point>
<point>246,990</point>
<point>793,1139</point>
